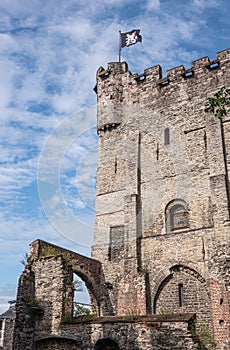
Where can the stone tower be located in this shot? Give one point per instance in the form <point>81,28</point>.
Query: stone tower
<point>162,203</point>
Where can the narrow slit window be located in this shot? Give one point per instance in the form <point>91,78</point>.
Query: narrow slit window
<point>157,151</point>
<point>181,294</point>
<point>166,136</point>
<point>115,166</point>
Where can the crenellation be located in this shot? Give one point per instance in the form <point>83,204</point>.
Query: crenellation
<point>223,55</point>
<point>117,87</point>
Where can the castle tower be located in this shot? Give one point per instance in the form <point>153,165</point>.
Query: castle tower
<point>162,202</point>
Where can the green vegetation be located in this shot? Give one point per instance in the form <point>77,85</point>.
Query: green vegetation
<point>32,302</point>
<point>143,270</point>
<point>219,104</point>
<point>203,336</point>
<point>24,259</point>
<point>51,251</point>
<point>81,314</point>
<point>134,313</point>
<point>47,251</point>
<point>80,310</point>
<point>206,339</point>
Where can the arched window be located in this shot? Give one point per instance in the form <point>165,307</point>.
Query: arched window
<point>81,301</point>
<point>176,215</point>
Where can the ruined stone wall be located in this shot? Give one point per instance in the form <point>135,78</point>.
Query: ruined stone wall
<point>157,145</point>
<point>46,290</point>
<point>127,334</point>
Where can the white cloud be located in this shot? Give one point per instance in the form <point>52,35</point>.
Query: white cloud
<point>152,5</point>
<point>204,4</point>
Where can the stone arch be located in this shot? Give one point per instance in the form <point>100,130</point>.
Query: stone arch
<point>88,269</point>
<point>58,343</point>
<point>106,344</point>
<point>183,290</point>
<point>92,287</point>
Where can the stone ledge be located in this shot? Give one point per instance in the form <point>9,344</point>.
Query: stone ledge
<point>152,319</point>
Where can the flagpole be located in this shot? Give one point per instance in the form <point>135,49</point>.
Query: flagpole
<point>119,46</point>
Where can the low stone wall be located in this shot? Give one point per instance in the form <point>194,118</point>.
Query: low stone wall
<point>129,333</point>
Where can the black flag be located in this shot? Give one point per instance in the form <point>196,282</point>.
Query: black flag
<point>130,38</point>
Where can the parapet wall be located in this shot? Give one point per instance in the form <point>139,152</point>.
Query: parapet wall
<point>117,86</point>
<point>143,333</point>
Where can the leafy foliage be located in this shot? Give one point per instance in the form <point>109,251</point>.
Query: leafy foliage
<point>24,259</point>
<point>219,104</point>
<point>80,310</point>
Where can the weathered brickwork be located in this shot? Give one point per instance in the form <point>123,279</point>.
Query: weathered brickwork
<point>161,238</point>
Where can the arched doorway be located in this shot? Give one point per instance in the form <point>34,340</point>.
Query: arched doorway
<point>106,344</point>
<point>184,290</point>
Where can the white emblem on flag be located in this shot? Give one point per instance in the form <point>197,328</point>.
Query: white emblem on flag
<point>131,38</point>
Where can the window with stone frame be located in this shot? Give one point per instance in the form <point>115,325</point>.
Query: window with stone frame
<point>176,215</point>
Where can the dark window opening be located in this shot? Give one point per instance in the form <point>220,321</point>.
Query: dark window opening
<point>140,78</point>
<point>205,140</point>
<point>166,137</point>
<point>115,165</point>
<point>164,82</point>
<point>157,151</point>
<point>106,344</point>
<point>214,65</point>
<point>188,74</point>
<point>181,294</point>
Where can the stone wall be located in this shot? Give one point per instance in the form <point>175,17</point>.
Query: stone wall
<point>46,290</point>
<point>141,171</point>
<point>144,334</point>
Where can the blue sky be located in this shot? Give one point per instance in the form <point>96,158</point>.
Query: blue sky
<point>50,52</point>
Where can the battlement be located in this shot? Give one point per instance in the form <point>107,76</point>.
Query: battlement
<point>117,87</point>
<point>154,73</point>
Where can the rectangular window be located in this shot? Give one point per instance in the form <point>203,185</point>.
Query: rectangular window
<point>166,136</point>
<point>116,247</point>
<point>181,294</point>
